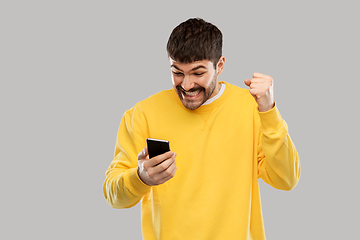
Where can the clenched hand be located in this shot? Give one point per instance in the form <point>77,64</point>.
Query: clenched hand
<point>261,88</point>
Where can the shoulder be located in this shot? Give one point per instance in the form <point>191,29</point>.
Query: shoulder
<point>153,103</point>
<point>237,93</point>
<point>158,100</point>
<point>158,97</point>
<point>235,88</point>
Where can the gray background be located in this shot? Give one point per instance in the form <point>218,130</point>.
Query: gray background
<point>69,70</point>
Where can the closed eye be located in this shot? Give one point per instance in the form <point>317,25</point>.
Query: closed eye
<point>178,73</point>
<point>199,74</point>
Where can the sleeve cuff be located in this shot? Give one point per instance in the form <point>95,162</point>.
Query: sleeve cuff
<point>134,183</point>
<point>271,120</point>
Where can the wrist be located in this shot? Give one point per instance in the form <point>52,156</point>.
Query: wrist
<point>134,182</point>
<point>271,120</point>
<point>266,108</point>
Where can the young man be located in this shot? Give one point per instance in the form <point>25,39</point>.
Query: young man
<point>222,137</point>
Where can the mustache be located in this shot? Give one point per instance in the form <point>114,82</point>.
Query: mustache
<point>180,88</point>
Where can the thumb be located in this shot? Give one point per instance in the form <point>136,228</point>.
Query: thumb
<point>247,82</point>
<point>143,154</point>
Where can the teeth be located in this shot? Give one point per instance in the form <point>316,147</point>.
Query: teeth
<point>191,94</point>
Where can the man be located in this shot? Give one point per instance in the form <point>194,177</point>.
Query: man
<point>222,137</point>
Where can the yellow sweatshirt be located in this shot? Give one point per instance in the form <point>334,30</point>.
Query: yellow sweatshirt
<point>222,149</point>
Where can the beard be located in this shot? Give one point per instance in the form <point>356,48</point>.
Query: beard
<point>206,93</point>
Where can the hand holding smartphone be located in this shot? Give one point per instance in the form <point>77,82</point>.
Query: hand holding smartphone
<point>156,170</point>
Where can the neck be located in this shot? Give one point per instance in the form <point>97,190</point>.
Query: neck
<point>217,89</point>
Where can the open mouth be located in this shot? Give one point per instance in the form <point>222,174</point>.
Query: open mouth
<point>191,94</point>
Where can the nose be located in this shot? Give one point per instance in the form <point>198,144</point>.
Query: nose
<point>187,83</point>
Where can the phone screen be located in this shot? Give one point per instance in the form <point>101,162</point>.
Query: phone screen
<point>157,147</point>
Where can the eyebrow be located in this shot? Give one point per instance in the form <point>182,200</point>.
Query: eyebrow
<point>195,68</point>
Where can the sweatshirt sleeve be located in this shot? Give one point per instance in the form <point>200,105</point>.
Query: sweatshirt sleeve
<point>122,187</point>
<point>278,160</point>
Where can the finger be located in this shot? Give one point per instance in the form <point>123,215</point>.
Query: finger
<point>261,85</point>
<point>160,158</point>
<point>260,75</point>
<point>143,154</point>
<point>247,82</point>
<point>163,166</point>
<point>167,174</point>
<point>254,81</point>
<point>255,93</point>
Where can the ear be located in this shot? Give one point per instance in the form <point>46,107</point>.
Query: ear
<point>220,65</point>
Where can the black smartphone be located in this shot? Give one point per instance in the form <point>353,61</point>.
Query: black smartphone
<point>157,147</point>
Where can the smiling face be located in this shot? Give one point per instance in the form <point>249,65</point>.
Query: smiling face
<point>196,82</point>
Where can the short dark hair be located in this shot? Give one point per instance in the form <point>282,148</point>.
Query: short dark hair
<point>195,40</point>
